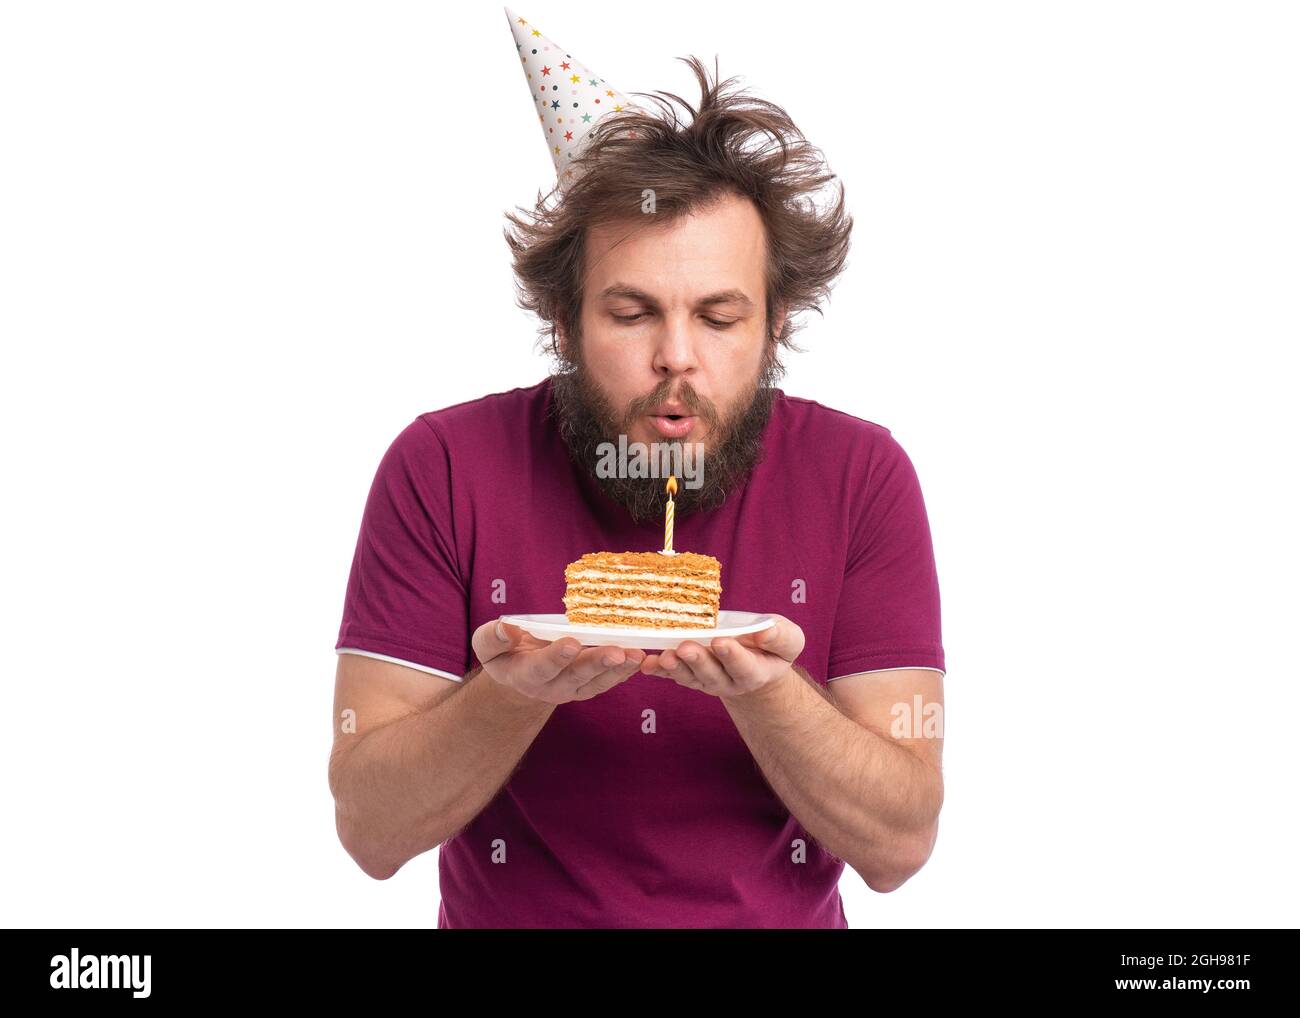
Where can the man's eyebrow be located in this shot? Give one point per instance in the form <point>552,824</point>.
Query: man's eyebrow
<point>632,293</point>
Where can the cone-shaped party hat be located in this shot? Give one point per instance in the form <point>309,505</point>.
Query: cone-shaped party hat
<point>569,97</point>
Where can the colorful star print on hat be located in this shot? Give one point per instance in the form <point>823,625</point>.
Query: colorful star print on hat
<point>570,99</point>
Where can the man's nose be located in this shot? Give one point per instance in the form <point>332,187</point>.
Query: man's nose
<point>675,352</point>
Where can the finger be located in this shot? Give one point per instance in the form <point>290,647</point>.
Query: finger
<point>672,666</point>
<point>609,678</point>
<point>548,662</point>
<point>591,662</point>
<point>668,664</point>
<point>783,638</point>
<point>741,663</point>
<point>653,665</point>
<point>704,666</point>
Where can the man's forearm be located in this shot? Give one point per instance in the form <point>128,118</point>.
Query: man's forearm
<point>867,801</point>
<point>409,786</point>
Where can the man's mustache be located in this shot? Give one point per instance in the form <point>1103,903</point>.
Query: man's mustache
<point>695,404</point>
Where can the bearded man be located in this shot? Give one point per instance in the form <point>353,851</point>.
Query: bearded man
<point>725,783</point>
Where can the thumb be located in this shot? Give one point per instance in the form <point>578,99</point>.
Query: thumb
<point>494,638</point>
<point>506,635</point>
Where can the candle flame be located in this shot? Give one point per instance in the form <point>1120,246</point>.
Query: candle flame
<point>672,485</point>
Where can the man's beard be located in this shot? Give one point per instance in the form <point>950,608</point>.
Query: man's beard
<point>587,419</point>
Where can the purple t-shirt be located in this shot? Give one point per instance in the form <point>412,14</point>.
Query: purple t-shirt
<point>610,821</point>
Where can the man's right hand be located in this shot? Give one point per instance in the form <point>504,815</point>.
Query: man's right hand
<point>555,672</point>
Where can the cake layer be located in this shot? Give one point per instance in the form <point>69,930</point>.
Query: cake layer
<point>683,563</point>
<point>636,576</point>
<point>659,593</point>
<point>640,603</point>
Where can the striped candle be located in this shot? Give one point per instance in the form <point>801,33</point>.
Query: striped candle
<point>668,515</point>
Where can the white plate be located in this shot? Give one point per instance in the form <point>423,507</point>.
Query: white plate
<point>556,627</point>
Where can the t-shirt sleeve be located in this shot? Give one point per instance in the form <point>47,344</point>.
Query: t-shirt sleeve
<point>406,599</point>
<point>888,612</point>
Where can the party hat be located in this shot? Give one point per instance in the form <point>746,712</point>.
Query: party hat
<point>570,98</point>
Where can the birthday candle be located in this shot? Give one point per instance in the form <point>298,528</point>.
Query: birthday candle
<point>668,515</point>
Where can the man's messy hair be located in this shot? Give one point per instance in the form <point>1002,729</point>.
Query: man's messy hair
<point>734,144</point>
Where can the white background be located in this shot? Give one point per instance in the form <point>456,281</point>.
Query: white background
<point>243,244</point>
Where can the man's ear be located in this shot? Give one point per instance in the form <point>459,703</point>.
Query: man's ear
<point>778,320</point>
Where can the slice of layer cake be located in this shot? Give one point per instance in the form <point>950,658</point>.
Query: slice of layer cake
<point>644,590</point>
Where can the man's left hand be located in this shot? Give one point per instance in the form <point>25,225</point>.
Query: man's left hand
<point>731,665</point>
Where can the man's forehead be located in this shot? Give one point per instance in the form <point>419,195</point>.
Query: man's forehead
<point>722,234</point>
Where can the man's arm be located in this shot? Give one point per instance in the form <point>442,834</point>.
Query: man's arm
<point>424,754</point>
<point>427,755</point>
<point>867,796</point>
